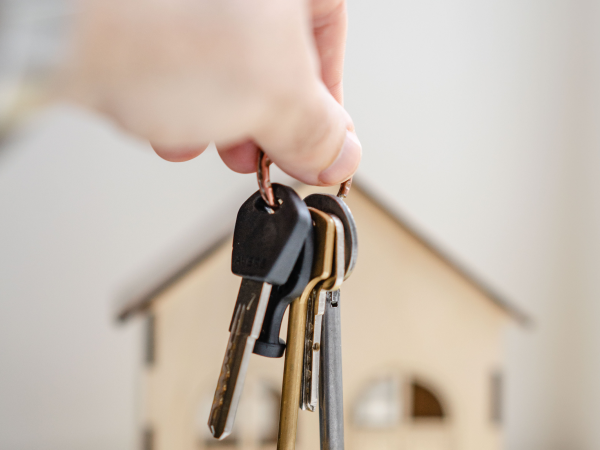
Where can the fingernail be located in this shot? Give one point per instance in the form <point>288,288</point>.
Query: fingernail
<point>346,162</point>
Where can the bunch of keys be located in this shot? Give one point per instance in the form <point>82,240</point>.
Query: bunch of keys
<point>296,253</point>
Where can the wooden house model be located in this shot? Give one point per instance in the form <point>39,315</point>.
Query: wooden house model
<point>422,351</point>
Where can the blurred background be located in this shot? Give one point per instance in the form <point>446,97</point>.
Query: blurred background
<point>479,123</point>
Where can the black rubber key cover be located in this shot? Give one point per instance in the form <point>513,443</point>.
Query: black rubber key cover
<point>269,343</point>
<point>266,246</point>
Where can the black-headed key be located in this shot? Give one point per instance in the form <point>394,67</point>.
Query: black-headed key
<point>266,246</point>
<point>269,343</point>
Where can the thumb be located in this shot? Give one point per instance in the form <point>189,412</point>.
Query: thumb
<point>312,138</point>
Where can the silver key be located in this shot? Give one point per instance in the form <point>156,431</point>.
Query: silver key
<point>246,324</point>
<point>331,400</point>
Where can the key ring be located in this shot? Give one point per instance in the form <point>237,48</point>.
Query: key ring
<point>264,182</point>
<point>345,188</point>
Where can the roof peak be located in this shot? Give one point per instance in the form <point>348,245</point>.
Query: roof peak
<point>140,302</point>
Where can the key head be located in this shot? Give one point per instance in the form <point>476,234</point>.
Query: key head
<point>266,244</point>
<point>331,204</point>
<point>269,343</point>
<point>338,273</point>
<point>324,245</point>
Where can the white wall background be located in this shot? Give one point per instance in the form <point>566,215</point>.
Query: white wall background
<point>85,212</point>
<point>479,123</point>
<point>470,113</point>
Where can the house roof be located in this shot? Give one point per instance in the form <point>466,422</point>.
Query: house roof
<point>506,305</point>
<point>139,303</point>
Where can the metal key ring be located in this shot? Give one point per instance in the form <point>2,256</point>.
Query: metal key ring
<point>264,181</point>
<point>345,188</point>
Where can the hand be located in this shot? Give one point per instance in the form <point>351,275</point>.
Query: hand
<point>241,73</point>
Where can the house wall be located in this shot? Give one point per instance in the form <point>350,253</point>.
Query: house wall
<point>404,310</point>
<point>419,316</point>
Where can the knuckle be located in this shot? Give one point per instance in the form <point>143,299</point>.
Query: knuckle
<point>318,139</point>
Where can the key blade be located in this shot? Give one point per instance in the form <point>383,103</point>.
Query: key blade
<point>312,343</point>
<point>307,362</point>
<point>245,329</point>
<point>331,401</point>
<point>316,349</point>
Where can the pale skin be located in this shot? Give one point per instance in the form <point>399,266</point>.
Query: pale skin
<point>241,73</point>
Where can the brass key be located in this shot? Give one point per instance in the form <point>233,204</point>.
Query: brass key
<point>324,228</point>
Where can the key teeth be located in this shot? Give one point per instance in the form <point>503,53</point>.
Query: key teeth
<point>247,322</point>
